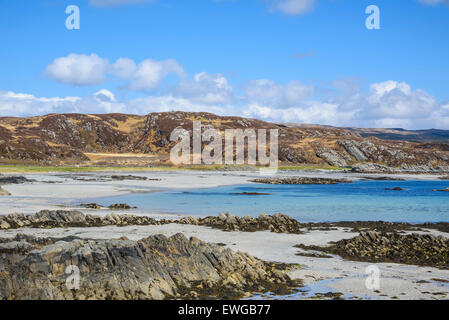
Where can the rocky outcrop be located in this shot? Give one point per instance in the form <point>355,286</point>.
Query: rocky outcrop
<point>13,180</point>
<point>372,168</point>
<point>384,178</point>
<point>129,177</point>
<point>404,168</point>
<point>153,268</point>
<point>116,206</point>
<point>300,180</point>
<point>120,206</point>
<point>415,249</point>
<point>279,223</point>
<point>360,150</point>
<point>94,206</point>
<point>66,219</point>
<point>394,189</point>
<point>3,192</point>
<point>331,157</point>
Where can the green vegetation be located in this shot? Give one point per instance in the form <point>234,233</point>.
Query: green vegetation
<point>38,169</point>
<point>309,168</point>
<point>43,169</point>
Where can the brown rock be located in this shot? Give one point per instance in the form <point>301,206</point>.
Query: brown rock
<point>3,192</point>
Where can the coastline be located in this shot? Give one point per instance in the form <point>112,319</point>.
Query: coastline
<point>59,190</point>
<point>319,275</point>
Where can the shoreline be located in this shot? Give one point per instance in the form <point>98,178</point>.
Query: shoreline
<point>319,275</point>
<point>59,190</point>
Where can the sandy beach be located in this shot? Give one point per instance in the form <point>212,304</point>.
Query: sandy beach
<point>57,190</point>
<point>320,275</point>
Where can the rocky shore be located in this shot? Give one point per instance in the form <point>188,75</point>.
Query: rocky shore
<point>413,249</point>
<point>156,266</point>
<point>278,223</point>
<point>66,219</point>
<point>13,180</point>
<point>300,180</point>
<point>116,206</point>
<point>379,226</point>
<point>153,268</point>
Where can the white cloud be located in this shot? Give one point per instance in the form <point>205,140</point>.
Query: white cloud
<point>205,88</point>
<point>278,96</point>
<point>103,101</point>
<point>112,3</point>
<point>170,103</point>
<point>84,70</point>
<point>392,102</point>
<point>386,104</point>
<point>292,7</point>
<point>17,104</point>
<point>123,68</point>
<point>309,112</point>
<point>78,69</point>
<point>150,73</point>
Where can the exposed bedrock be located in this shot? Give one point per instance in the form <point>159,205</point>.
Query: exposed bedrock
<point>278,223</point>
<point>300,180</point>
<point>332,157</point>
<point>352,147</point>
<point>404,168</point>
<point>65,219</point>
<point>13,180</point>
<point>153,268</point>
<point>414,249</point>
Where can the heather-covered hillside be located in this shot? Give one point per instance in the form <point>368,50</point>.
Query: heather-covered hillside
<point>79,139</point>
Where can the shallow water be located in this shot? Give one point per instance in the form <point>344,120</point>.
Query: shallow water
<point>358,201</point>
<point>311,291</point>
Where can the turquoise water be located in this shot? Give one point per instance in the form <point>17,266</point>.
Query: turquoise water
<point>358,201</point>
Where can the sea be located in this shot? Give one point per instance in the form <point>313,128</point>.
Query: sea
<point>418,202</point>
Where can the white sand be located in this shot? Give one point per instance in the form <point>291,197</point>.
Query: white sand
<point>39,195</point>
<point>321,275</point>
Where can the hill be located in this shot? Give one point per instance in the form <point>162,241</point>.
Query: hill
<point>122,139</point>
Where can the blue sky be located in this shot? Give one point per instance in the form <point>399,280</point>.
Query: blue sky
<point>278,60</point>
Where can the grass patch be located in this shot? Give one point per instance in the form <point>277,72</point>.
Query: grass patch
<point>309,168</point>
<point>36,169</point>
<point>20,168</point>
